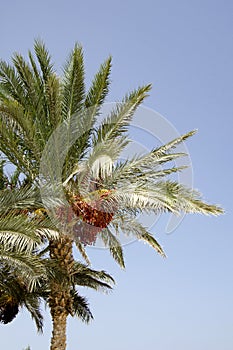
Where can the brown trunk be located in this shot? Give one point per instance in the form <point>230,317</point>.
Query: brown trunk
<point>58,341</point>
<point>60,301</point>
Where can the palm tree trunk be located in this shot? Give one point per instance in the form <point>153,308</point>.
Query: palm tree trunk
<point>58,340</point>
<point>60,301</point>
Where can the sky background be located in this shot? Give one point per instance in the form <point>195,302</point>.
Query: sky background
<point>185,49</point>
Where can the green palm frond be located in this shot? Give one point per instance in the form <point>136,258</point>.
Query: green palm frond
<point>10,146</point>
<point>21,233</point>
<point>26,77</point>
<point>3,178</point>
<point>10,84</point>
<point>99,88</point>
<point>91,106</point>
<point>187,200</point>
<point>162,196</point>
<point>131,226</point>
<point>36,71</point>
<point>33,306</point>
<point>82,275</point>
<point>149,166</point>
<point>114,246</point>
<point>73,90</point>
<point>28,267</point>
<point>12,110</point>
<point>116,124</point>
<point>53,101</point>
<point>174,143</point>
<point>132,197</point>
<point>82,251</point>
<point>44,60</point>
<point>16,230</point>
<point>25,198</point>
<point>81,307</point>
<point>15,295</point>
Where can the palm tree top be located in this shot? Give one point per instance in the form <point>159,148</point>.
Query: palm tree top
<point>40,114</point>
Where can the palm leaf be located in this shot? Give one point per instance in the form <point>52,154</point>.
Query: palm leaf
<point>111,242</point>
<point>129,225</point>
<point>118,121</point>
<point>44,59</point>
<point>99,88</point>
<point>81,307</point>
<point>73,90</point>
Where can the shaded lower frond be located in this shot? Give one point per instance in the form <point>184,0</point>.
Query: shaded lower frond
<point>81,307</point>
<point>14,294</point>
<point>87,277</point>
<point>26,266</point>
<point>33,306</point>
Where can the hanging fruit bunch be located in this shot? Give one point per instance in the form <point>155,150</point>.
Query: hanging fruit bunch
<point>93,213</point>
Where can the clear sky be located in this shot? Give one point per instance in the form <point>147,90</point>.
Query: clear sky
<point>185,49</point>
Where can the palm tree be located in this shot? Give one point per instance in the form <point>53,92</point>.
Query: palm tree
<point>38,110</point>
<point>26,273</point>
<point>21,268</point>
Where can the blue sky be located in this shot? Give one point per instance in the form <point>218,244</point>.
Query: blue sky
<point>184,48</point>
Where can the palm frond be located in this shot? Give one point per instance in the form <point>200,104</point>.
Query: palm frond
<point>81,307</point>
<point>3,178</point>
<point>24,198</point>
<point>28,267</point>
<point>187,200</point>
<point>87,277</point>
<point>24,128</point>
<point>132,197</point>
<point>82,251</point>
<point>87,116</point>
<point>26,77</point>
<point>53,101</point>
<point>15,294</point>
<point>13,147</point>
<point>99,88</point>
<point>73,90</point>
<point>111,242</point>
<point>100,161</point>
<point>10,84</point>
<point>116,124</point>
<point>128,225</point>
<point>174,143</point>
<point>19,232</point>
<point>148,167</point>
<point>44,59</point>
<point>33,306</point>
<point>162,196</point>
